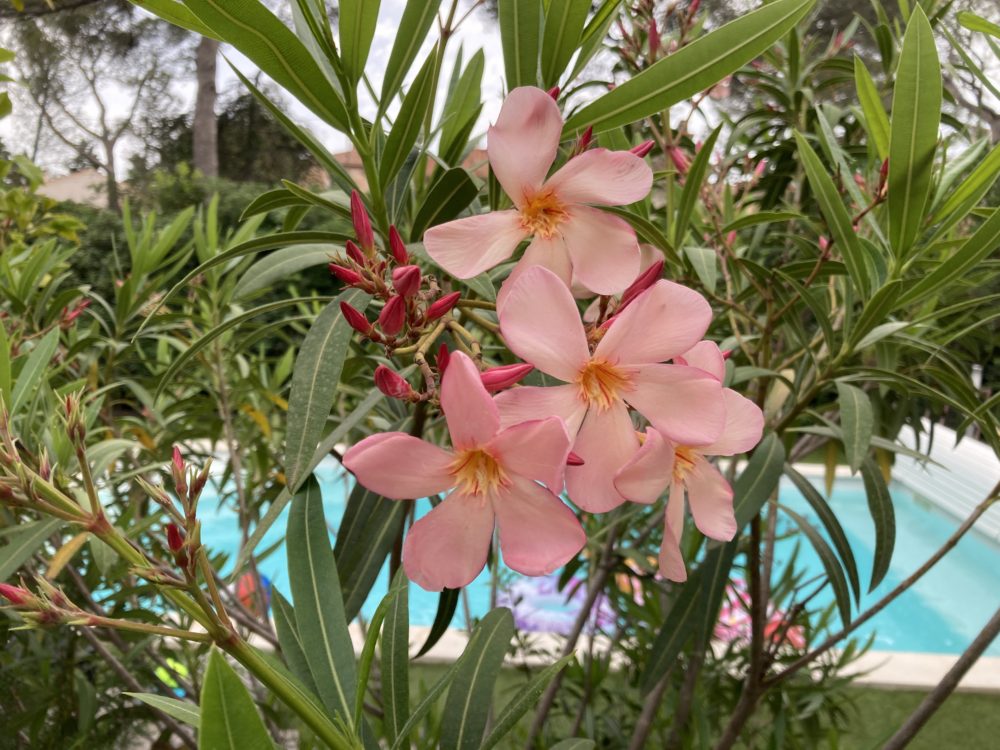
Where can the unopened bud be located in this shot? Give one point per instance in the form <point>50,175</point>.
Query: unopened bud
<point>883,177</point>
<point>345,275</point>
<point>645,280</point>
<point>693,8</point>
<point>758,171</point>
<point>726,354</point>
<point>17,596</point>
<point>554,92</point>
<point>574,460</point>
<point>44,465</point>
<point>443,357</point>
<point>355,319</point>
<point>175,538</point>
<point>406,280</point>
<point>392,384</point>
<point>654,39</point>
<point>397,248</point>
<point>642,149</point>
<point>443,306</point>
<point>393,316</point>
<point>497,378</point>
<point>680,159</point>
<point>362,224</point>
<point>177,469</point>
<point>201,480</point>
<point>824,244</point>
<point>354,253</point>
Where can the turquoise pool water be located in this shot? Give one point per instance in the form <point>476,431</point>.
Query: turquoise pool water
<point>941,614</point>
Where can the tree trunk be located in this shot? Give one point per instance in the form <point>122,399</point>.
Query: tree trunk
<point>204,128</point>
<point>114,203</point>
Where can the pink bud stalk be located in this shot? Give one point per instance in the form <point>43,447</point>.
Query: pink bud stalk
<point>355,319</point>
<point>393,315</point>
<point>497,378</point>
<point>443,306</point>
<point>642,149</point>
<point>362,224</point>
<point>392,384</point>
<point>345,275</point>
<point>406,280</point>
<point>645,280</point>
<point>397,248</point>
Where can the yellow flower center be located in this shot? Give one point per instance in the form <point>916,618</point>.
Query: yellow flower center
<point>542,213</point>
<point>477,472</point>
<point>684,458</point>
<point>601,383</point>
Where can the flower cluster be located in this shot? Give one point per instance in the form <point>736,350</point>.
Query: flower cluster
<point>637,356</point>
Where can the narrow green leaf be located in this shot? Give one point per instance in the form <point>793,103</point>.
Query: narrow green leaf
<point>520,36</point>
<point>395,664</point>
<point>875,312</point>
<point>229,718</point>
<point>372,637</point>
<point>461,109</point>
<point>977,23</point>
<point>358,19</point>
<point>976,249</point>
<point>705,264</point>
<point>833,528</point>
<point>290,641</point>
<point>575,743</point>
<point>319,608</point>
<point>410,120</point>
<point>445,613</point>
<point>691,69</point>
<point>525,699</point>
<point>884,516</point>
<point>258,34</point>
<point>673,634</point>
<point>314,383</point>
<point>564,22</point>
<point>176,13</point>
<point>425,705</point>
<point>856,423</point>
<point>185,711</point>
<point>713,577</point>
<point>33,372</point>
<point>692,186</point>
<point>646,230</point>
<point>759,479</point>
<point>835,213</point>
<point>761,217</point>
<point>448,197</point>
<point>971,190</point>
<point>5,371</point>
<point>418,15</point>
<point>22,542</point>
<point>281,265</point>
<point>871,104</point>
<point>471,693</point>
<point>367,531</point>
<point>916,113</point>
<point>831,565</point>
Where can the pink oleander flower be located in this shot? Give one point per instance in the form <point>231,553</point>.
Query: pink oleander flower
<point>568,235</point>
<point>541,324</point>
<point>661,463</point>
<point>494,475</point>
<point>650,269</point>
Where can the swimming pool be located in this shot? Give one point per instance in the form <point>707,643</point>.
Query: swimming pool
<point>941,614</point>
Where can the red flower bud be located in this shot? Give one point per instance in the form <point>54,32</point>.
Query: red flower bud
<point>645,280</point>
<point>406,280</point>
<point>346,275</point>
<point>15,594</point>
<point>392,384</point>
<point>585,140</point>
<point>695,4</point>
<point>177,468</point>
<point>497,378</point>
<point>397,247</point>
<point>355,319</point>
<point>443,357</point>
<point>175,538</point>
<point>354,253</point>
<point>727,353</point>
<point>362,224</point>
<point>654,38</point>
<point>642,149</point>
<point>574,460</point>
<point>554,92</point>
<point>393,315</point>
<point>443,306</point>
<point>681,161</point>
<point>824,244</point>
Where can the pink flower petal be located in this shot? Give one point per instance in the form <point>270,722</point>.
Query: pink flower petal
<point>603,178</point>
<point>447,548</point>
<point>472,416</point>
<point>705,355</point>
<point>524,141</point>
<point>744,426</point>
<point>664,321</point>
<point>541,324</point>
<point>400,466</point>
<point>670,558</point>
<point>710,499</point>
<point>535,450</point>
<point>550,253</point>
<point>649,472</point>
<point>533,402</point>
<point>538,533</point>
<point>603,248</point>
<point>468,247</point>
<point>683,403</point>
<point>606,442</point>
